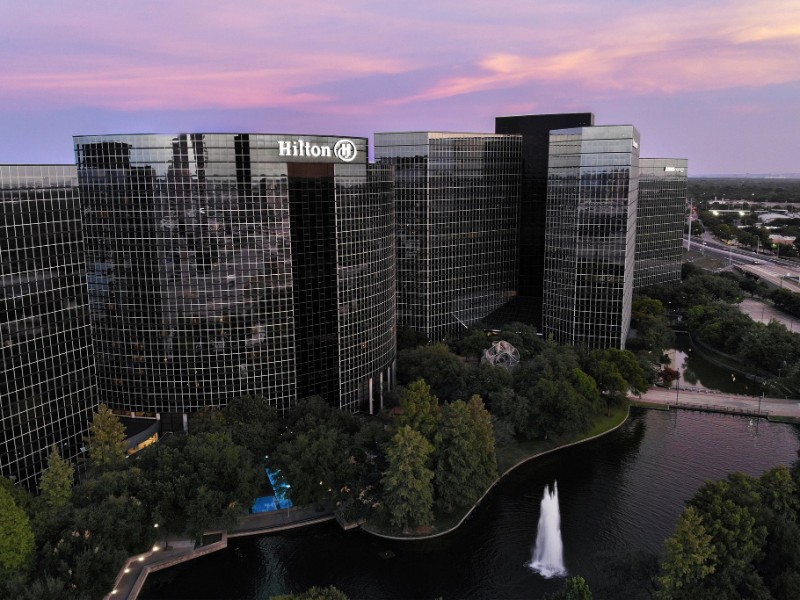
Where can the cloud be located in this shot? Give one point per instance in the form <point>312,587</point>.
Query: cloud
<point>649,52</point>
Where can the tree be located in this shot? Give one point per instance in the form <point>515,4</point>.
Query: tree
<point>486,464</point>
<point>444,372</point>
<point>198,481</point>
<point>106,442</point>
<point>407,482</point>
<point>254,424</point>
<point>315,593</point>
<point>314,463</point>
<point>690,558</point>
<point>575,588</point>
<point>420,409</point>
<point>457,458</point>
<point>490,383</point>
<point>56,482</point>
<point>16,538</point>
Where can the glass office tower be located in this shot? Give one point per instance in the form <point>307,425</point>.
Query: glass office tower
<point>535,131</point>
<point>457,200</point>
<point>47,388</point>
<point>590,238</point>
<point>223,265</point>
<point>660,221</point>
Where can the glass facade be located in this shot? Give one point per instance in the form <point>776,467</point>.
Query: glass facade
<point>593,179</point>
<point>229,264</point>
<point>47,391</point>
<point>457,197</point>
<point>660,221</point>
<point>535,131</point>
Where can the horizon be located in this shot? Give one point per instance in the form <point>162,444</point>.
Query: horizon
<point>718,85</point>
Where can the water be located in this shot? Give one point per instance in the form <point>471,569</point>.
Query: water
<point>548,555</point>
<point>700,373</point>
<point>620,497</point>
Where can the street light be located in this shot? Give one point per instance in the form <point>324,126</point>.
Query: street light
<point>677,387</point>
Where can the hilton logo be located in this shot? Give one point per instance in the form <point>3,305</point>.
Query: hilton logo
<point>344,150</point>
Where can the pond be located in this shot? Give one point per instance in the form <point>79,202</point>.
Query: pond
<point>620,497</point>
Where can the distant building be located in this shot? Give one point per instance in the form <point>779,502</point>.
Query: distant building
<point>457,200</point>
<point>223,265</point>
<point>660,221</point>
<point>593,179</point>
<point>535,131</point>
<point>47,388</point>
<point>782,240</point>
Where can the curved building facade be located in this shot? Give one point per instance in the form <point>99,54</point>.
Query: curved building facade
<point>222,265</point>
<point>47,387</point>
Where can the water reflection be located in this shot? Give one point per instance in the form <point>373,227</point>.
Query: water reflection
<point>696,371</point>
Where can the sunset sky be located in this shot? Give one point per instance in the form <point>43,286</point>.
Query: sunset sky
<point>717,82</point>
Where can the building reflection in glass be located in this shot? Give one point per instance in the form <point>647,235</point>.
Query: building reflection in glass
<point>661,216</point>
<point>219,268</point>
<point>593,178</point>
<point>457,198</point>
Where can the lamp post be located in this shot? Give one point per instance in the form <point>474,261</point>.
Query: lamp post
<point>677,387</point>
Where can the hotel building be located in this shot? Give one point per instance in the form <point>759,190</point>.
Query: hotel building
<point>660,221</point>
<point>47,388</point>
<point>222,265</point>
<point>457,197</point>
<point>593,179</point>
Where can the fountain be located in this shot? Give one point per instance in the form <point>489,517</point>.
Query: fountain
<point>548,555</point>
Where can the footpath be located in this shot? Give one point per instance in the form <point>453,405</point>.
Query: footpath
<point>134,572</point>
<point>690,398</point>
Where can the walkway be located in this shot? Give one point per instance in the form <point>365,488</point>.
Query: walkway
<point>697,399</point>
<point>134,572</point>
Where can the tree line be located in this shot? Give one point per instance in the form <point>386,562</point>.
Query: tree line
<point>707,304</point>
<point>437,455</point>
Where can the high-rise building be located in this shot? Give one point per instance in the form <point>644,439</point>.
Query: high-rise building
<point>590,238</point>
<point>222,265</point>
<point>660,221</point>
<point>47,388</point>
<point>457,200</point>
<point>535,131</point>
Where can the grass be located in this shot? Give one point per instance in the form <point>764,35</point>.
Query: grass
<point>651,405</point>
<point>779,419</point>
<point>508,457</point>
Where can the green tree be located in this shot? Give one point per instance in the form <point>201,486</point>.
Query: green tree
<point>254,424</point>
<point>314,462</point>
<point>486,462</point>
<point>457,458</point>
<point>106,441</point>
<point>575,588</point>
<point>198,481</point>
<point>420,409</point>
<point>315,593</point>
<point>443,371</point>
<point>16,538</point>
<point>690,558</point>
<point>56,482</point>
<point>407,481</point>
<point>490,383</point>
<point>474,343</point>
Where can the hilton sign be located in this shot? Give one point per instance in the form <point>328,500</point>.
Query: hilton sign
<point>344,150</point>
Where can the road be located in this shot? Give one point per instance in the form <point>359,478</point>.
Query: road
<point>780,272</point>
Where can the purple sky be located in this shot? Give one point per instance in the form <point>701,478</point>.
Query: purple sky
<point>717,82</point>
